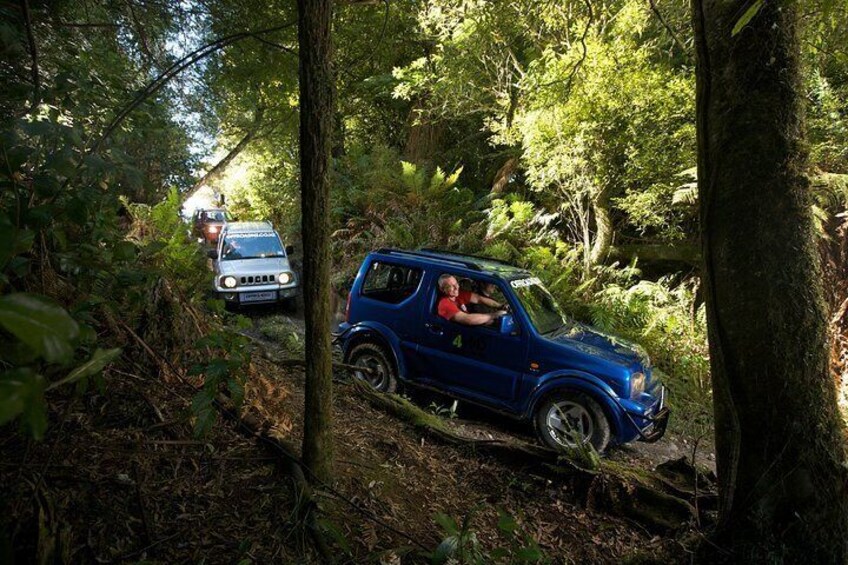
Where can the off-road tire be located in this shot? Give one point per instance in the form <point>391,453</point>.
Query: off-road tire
<point>374,356</point>
<point>584,408</point>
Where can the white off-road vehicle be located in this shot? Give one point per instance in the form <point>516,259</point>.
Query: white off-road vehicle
<point>252,266</point>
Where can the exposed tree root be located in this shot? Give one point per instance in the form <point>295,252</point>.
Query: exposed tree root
<point>660,501</point>
<point>289,463</point>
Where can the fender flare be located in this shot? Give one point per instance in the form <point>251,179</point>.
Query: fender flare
<point>579,381</point>
<point>362,330</point>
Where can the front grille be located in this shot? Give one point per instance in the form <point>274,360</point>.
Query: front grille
<point>257,279</point>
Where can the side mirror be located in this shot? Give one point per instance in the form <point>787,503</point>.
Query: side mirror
<point>289,249</point>
<point>212,254</point>
<point>508,326</point>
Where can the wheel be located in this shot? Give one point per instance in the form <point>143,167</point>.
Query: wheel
<point>566,419</point>
<point>374,357</point>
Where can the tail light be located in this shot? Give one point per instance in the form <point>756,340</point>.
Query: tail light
<point>347,308</point>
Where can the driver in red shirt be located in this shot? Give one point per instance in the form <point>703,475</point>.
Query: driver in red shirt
<point>452,304</point>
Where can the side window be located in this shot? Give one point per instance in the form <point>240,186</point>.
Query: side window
<point>392,283</point>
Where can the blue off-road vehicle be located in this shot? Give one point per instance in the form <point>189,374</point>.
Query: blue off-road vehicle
<point>574,383</point>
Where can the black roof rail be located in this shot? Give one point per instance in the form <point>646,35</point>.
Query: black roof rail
<point>482,258</point>
<point>428,255</point>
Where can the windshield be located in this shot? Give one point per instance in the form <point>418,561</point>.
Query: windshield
<point>252,246</point>
<point>540,306</point>
<point>216,216</point>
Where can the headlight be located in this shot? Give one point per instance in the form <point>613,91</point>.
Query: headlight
<point>637,384</point>
<point>212,229</point>
<point>229,282</point>
<point>285,278</point>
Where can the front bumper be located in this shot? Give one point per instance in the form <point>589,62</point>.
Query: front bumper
<point>654,420</point>
<point>262,294</point>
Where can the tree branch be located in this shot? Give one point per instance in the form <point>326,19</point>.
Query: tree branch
<point>667,27</point>
<point>219,167</point>
<point>36,80</point>
<point>172,71</point>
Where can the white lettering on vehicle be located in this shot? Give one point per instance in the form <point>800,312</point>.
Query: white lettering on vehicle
<point>247,235</point>
<point>523,283</point>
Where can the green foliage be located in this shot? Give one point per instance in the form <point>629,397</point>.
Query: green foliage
<point>380,201</point>
<point>461,544</point>
<point>746,17</point>
<point>662,317</point>
<point>224,368</point>
<point>40,345</point>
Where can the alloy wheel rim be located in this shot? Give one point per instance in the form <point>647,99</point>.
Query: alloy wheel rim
<point>566,421</point>
<point>377,373</point>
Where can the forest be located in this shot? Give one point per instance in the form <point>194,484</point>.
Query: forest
<point>673,172</point>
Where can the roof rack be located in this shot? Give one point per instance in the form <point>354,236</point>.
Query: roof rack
<point>460,259</point>
<point>490,259</point>
<point>427,253</point>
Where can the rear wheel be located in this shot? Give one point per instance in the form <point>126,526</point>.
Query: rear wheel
<point>381,374</point>
<point>567,420</point>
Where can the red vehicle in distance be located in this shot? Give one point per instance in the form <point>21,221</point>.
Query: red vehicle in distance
<point>208,223</point>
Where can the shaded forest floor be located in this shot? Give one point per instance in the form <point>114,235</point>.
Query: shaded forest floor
<point>119,477</point>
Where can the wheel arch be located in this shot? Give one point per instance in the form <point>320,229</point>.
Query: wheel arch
<point>589,385</point>
<point>381,335</point>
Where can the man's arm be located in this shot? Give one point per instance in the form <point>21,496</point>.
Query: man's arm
<point>476,319</point>
<point>478,299</point>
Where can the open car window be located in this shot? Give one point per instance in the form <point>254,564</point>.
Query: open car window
<point>391,283</point>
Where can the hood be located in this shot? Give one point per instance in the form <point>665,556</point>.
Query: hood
<point>606,346</point>
<point>254,266</point>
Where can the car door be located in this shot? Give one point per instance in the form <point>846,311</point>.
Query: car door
<point>477,361</point>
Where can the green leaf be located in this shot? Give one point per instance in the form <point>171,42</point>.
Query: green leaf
<point>202,407</point>
<point>445,550</point>
<point>236,391</point>
<point>45,185</point>
<point>62,162</point>
<point>43,325</point>
<point>34,417</point>
<point>125,251</point>
<point>507,523</point>
<point>22,393</point>
<point>217,369</point>
<point>499,553</point>
<point>13,393</point>
<point>336,534</point>
<point>446,522</point>
<point>7,237</point>
<point>749,14</point>
<point>530,553</point>
<point>98,361</point>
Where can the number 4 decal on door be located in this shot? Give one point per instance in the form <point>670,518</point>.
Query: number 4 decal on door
<point>457,341</point>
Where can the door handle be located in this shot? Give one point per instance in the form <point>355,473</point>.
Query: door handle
<point>434,329</point>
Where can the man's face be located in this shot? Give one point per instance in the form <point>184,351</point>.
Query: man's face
<point>451,288</point>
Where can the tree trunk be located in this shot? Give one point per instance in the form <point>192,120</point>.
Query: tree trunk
<point>423,140</point>
<point>603,225</point>
<point>316,113</point>
<point>779,440</point>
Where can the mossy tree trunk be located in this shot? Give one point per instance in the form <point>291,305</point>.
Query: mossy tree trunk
<point>316,113</point>
<point>604,232</point>
<point>778,433</point>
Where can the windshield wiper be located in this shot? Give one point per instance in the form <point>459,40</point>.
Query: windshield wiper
<point>557,331</point>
